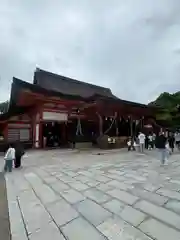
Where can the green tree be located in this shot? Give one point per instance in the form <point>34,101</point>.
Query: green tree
<point>4,107</point>
<point>169,110</point>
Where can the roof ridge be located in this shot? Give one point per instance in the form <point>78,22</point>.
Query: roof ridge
<point>71,79</point>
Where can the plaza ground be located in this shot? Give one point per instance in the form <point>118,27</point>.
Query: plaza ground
<point>86,195</point>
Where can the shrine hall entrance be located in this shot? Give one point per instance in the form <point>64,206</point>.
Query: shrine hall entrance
<point>54,134</point>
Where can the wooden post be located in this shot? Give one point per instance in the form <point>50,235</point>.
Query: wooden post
<point>131,127</point>
<point>100,124</point>
<point>117,129</point>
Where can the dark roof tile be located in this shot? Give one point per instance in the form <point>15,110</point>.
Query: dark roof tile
<point>69,86</point>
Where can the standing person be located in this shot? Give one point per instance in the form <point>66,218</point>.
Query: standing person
<point>19,152</point>
<point>129,144</point>
<point>137,144</point>
<point>161,141</point>
<point>171,141</point>
<point>141,138</point>
<point>177,139</point>
<point>9,158</point>
<point>73,141</point>
<point>146,141</point>
<point>150,137</point>
<point>154,140</point>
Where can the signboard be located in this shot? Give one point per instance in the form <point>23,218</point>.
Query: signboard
<point>54,116</point>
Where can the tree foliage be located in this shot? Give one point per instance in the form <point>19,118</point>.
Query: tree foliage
<point>169,108</point>
<point>4,107</point>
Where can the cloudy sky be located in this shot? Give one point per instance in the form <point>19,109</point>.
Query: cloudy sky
<point>130,46</point>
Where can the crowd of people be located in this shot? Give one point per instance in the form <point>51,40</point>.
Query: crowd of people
<point>164,142</point>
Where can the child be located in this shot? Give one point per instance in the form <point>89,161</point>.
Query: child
<point>9,158</point>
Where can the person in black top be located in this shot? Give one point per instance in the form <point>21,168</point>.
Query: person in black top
<point>146,142</point>
<point>161,141</point>
<point>171,140</point>
<point>19,152</point>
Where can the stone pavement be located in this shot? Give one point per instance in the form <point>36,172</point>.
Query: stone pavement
<point>4,215</point>
<point>83,196</point>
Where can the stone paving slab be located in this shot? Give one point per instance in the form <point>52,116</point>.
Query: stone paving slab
<point>79,186</point>
<point>117,229</point>
<point>80,229</point>
<point>93,212</point>
<point>62,212</point>
<point>72,196</point>
<point>160,213</point>
<point>168,193</point>
<point>87,196</point>
<point>149,196</point>
<point>49,231</point>
<point>97,195</point>
<point>158,230</point>
<point>104,187</point>
<point>59,186</point>
<point>115,206</point>
<point>120,185</point>
<point>123,196</point>
<point>173,205</point>
<point>132,216</point>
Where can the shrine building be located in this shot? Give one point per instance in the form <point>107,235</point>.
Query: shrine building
<point>56,110</point>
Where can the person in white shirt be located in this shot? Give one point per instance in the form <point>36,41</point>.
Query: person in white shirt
<point>141,138</point>
<point>9,158</point>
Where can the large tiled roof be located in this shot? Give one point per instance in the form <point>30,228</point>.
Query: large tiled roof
<point>68,85</point>
<point>53,85</point>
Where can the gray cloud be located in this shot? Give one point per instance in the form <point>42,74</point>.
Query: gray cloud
<point>133,47</point>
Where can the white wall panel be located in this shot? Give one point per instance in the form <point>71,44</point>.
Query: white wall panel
<point>53,116</point>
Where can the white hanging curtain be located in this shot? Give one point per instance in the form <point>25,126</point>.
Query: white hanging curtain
<point>79,128</point>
